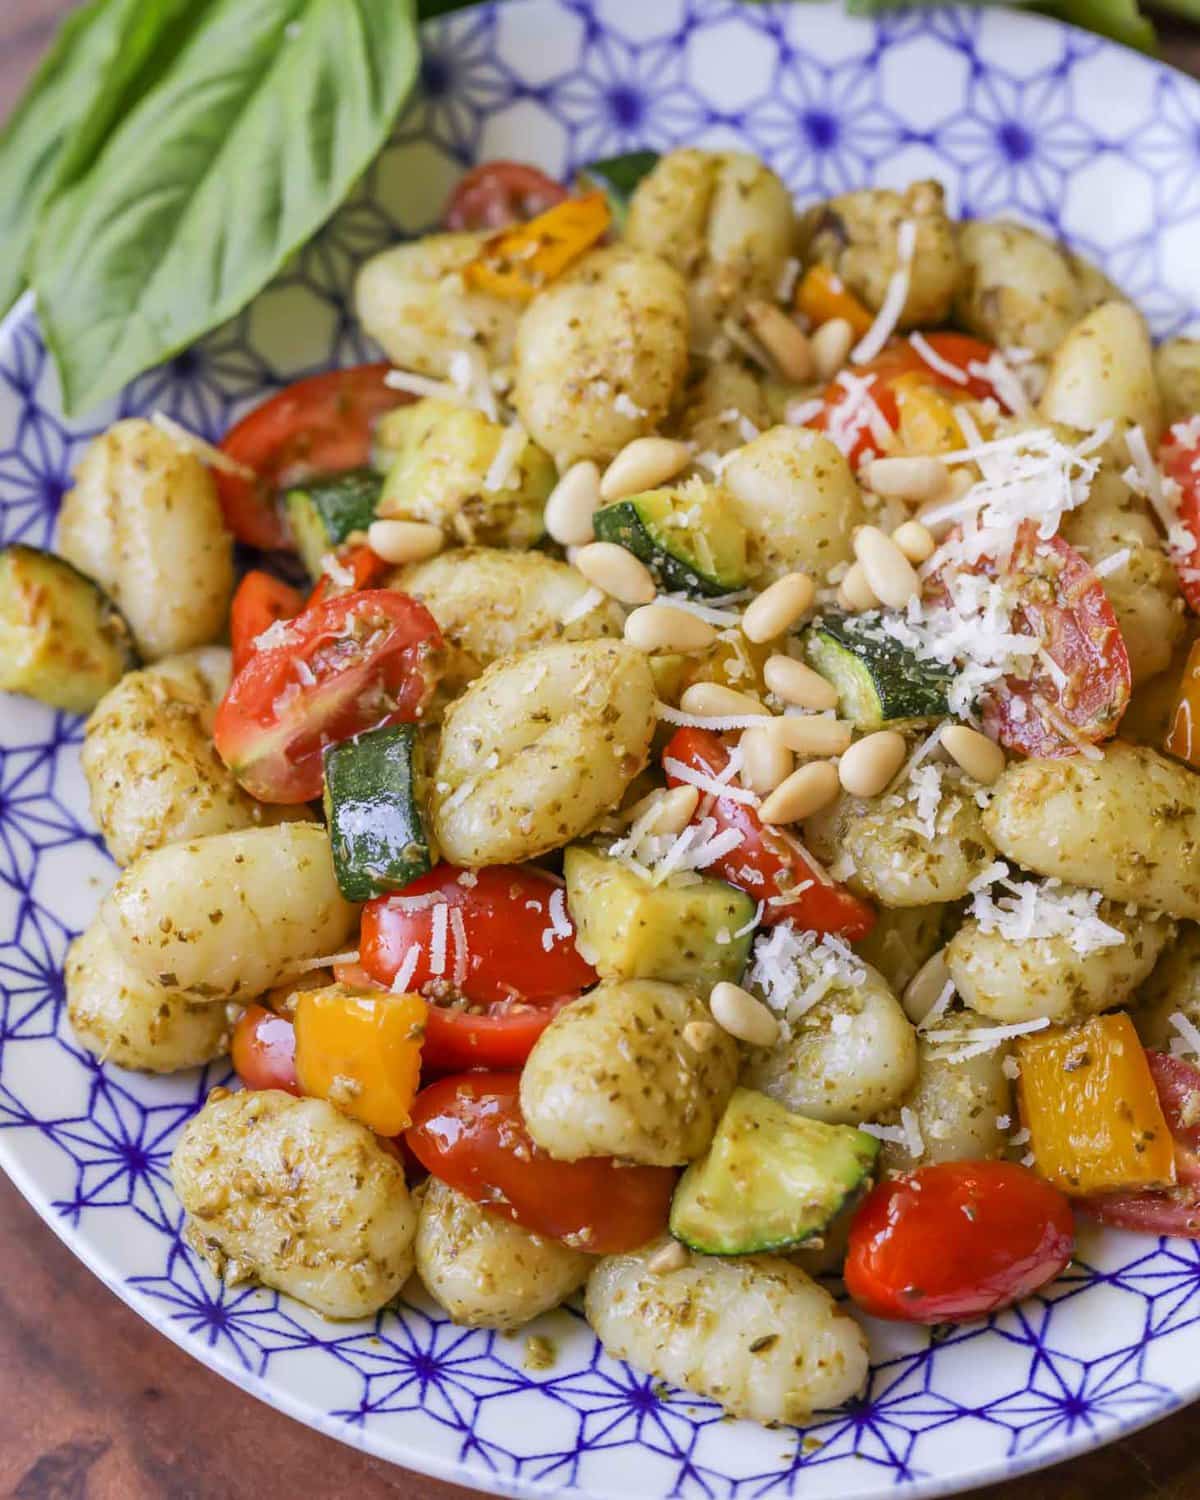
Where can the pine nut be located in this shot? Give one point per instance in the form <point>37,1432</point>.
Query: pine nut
<point>783,339</point>
<point>812,734</point>
<point>642,464</point>
<point>870,763</point>
<point>404,541</point>
<point>736,1011</point>
<point>915,541</point>
<point>663,627</point>
<point>890,575</point>
<point>912,477</point>
<point>572,504</point>
<point>925,987</point>
<point>670,1257</point>
<point>673,809</point>
<point>778,607</point>
<point>795,683</point>
<point>711,700</point>
<point>616,571</point>
<point>805,792</point>
<point>766,760</point>
<point>982,759</point>
<point>831,345</point>
<point>854,592</point>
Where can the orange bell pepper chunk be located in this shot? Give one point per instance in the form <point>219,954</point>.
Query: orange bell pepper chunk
<point>821,296</point>
<point>927,424</point>
<point>518,262</point>
<point>1183,737</point>
<point>1088,1100</point>
<point>361,1050</point>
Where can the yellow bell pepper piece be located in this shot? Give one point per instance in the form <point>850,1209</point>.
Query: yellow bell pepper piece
<point>519,262</point>
<point>361,1050</point>
<point>1183,737</point>
<point>821,296</point>
<point>1088,1100</point>
<point>927,424</point>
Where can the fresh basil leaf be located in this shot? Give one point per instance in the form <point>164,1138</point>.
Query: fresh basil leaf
<point>69,108</point>
<point>1121,20</point>
<point>253,135</point>
<point>428,8</point>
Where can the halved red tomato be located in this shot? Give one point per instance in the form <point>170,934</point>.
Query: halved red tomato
<point>366,568</point>
<point>1180,461</point>
<point>458,1038</point>
<point>497,934</point>
<point>470,1133</point>
<point>1081,684</point>
<point>768,863</point>
<point>356,662</point>
<point>263,1050</point>
<point>846,411</point>
<point>321,425</point>
<point>499,193</point>
<point>261,599</point>
<point>956,1240</point>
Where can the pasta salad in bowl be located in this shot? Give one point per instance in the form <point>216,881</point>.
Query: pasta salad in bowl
<point>673,785</point>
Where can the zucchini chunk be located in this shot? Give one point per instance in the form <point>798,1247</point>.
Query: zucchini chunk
<point>770,1179</point>
<point>687,535</point>
<point>326,510</point>
<point>374,791</point>
<point>630,929</point>
<point>879,681</point>
<point>617,177</point>
<point>62,639</point>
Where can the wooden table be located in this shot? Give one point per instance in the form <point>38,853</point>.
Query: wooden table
<point>95,1405</point>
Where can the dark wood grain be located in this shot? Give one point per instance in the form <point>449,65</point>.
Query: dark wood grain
<point>95,1405</point>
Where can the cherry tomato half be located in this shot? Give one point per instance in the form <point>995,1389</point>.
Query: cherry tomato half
<point>515,939</point>
<point>469,1132</point>
<point>366,569</point>
<point>846,413</point>
<point>355,662</point>
<point>956,1241</point>
<point>261,599</point>
<point>263,1050</point>
<point>768,862</point>
<point>1063,604</point>
<point>500,193</point>
<point>321,425</point>
<point>1180,460</point>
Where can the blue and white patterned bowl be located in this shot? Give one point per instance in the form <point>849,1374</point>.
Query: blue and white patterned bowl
<point>1015,115</point>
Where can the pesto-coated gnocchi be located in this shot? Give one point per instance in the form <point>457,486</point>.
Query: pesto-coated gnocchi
<point>1104,371</point>
<point>1126,824</point>
<point>486,1271</point>
<point>724,221</point>
<point>901,940</point>
<point>796,496</point>
<point>153,774</point>
<point>615,1075</point>
<point>1065,977</point>
<point>491,603</point>
<point>756,1334</point>
<point>144,521</point>
<point>125,1019</point>
<point>857,235</point>
<point>413,301</point>
<point>227,916</point>
<point>539,748</point>
<point>601,355</point>
<point>851,1057</point>
<point>1172,989</point>
<point>881,854</point>
<point>294,1194</point>
<point>1177,368</point>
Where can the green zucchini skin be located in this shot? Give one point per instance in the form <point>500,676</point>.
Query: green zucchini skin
<point>617,177</point>
<point>326,510</point>
<point>771,1179</point>
<point>879,680</point>
<point>705,560</point>
<point>62,639</point>
<point>374,785</point>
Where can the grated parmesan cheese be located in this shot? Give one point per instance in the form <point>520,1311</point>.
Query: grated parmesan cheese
<point>192,442</point>
<point>794,970</point>
<point>967,1042</point>
<point>934,360</point>
<point>1028,910</point>
<point>893,299</point>
<point>589,600</point>
<point>499,474</point>
<point>458,930</point>
<point>913,1138</point>
<point>407,969</point>
<point>438,939</point>
<point>1187,1041</point>
<point>709,784</point>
